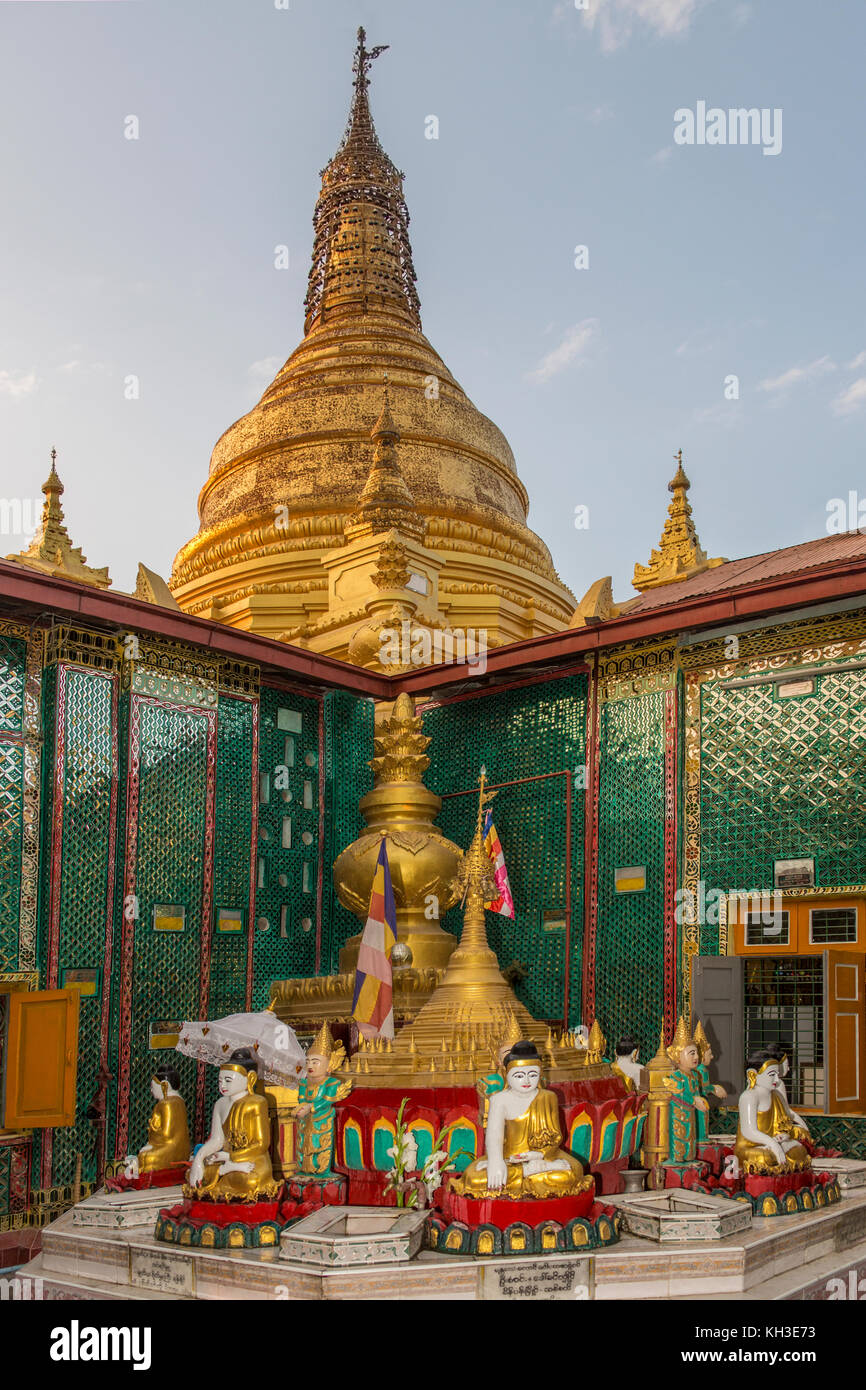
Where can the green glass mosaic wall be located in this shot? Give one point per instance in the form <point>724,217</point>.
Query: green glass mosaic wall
<point>173,753</point>
<point>288,841</point>
<point>629,973</point>
<point>12,659</point>
<point>783,779</point>
<point>349,724</point>
<point>232,841</point>
<point>519,734</point>
<point>84,887</point>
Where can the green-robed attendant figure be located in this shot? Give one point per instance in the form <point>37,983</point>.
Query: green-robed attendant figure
<point>315,1116</point>
<point>685,1084</point>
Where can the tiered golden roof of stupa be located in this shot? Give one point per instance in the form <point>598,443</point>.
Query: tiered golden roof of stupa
<point>454,1038</point>
<point>51,549</point>
<point>286,481</point>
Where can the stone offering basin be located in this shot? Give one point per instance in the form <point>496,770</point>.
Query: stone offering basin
<point>850,1172</point>
<point>122,1211</point>
<point>678,1215</point>
<point>337,1236</point>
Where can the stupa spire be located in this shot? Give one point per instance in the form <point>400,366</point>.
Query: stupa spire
<point>679,555</point>
<point>51,549</point>
<point>362,259</point>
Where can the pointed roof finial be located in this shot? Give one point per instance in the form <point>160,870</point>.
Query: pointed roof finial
<point>364,59</point>
<point>679,479</point>
<point>51,549</point>
<point>679,554</point>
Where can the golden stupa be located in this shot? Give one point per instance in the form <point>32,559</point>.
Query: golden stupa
<point>285,481</point>
<point>472,1010</point>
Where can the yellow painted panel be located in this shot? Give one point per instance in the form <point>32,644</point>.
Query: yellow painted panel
<point>42,1058</point>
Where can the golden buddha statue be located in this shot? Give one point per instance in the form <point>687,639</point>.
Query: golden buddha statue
<point>234,1162</point>
<point>522,1140</point>
<point>168,1131</point>
<point>769,1134</point>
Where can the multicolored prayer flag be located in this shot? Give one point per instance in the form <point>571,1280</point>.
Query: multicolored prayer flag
<point>503,903</point>
<point>372,1007</point>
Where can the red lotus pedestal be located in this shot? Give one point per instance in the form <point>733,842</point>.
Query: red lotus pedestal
<point>499,1226</point>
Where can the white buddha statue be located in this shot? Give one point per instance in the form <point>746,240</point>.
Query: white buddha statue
<point>522,1140</point>
<point>769,1134</point>
<point>627,1065</point>
<point>234,1162</point>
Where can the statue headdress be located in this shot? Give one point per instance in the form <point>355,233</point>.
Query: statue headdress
<point>701,1040</point>
<point>323,1045</point>
<point>682,1039</point>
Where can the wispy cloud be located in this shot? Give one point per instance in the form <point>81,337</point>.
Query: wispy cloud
<point>852,399</point>
<point>797,376</point>
<point>858,361</point>
<point>262,373</point>
<point>616,20</point>
<point>571,348</point>
<point>661,156</point>
<point>17,384</point>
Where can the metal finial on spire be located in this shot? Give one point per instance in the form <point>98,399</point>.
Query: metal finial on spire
<point>363,59</point>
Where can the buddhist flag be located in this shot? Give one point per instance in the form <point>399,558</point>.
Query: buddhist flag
<point>503,903</point>
<point>372,1006</point>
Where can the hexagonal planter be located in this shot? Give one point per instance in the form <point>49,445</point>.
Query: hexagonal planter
<point>678,1215</point>
<point>338,1236</point>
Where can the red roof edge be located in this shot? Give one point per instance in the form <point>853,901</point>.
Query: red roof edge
<point>42,593</point>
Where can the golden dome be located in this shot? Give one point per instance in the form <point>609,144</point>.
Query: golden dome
<point>286,479</point>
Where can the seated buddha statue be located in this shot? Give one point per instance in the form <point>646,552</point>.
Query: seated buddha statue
<point>777,1050</point>
<point>522,1139</point>
<point>167,1132</point>
<point>627,1066</point>
<point>234,1162</point>
<point>768,1135</point>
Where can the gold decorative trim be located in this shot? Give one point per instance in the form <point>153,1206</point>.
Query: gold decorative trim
<point>638,671</point>
<point>812,640</point>
<point>25,979</point>
<point>80,647</point>
<point>27,956</point>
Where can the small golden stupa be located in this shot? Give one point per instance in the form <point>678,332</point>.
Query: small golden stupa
<point>472,1009</point>
<point>424,866</point>
<point>287,482</point>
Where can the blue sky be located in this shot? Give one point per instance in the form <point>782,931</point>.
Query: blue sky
<point>154,257</point>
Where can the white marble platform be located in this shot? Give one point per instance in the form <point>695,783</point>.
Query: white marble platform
<point>778,1253</point>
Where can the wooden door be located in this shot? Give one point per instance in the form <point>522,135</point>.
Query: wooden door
<point>717,1000</point>
<point>42,1059</point>
<point>844,1032</point>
